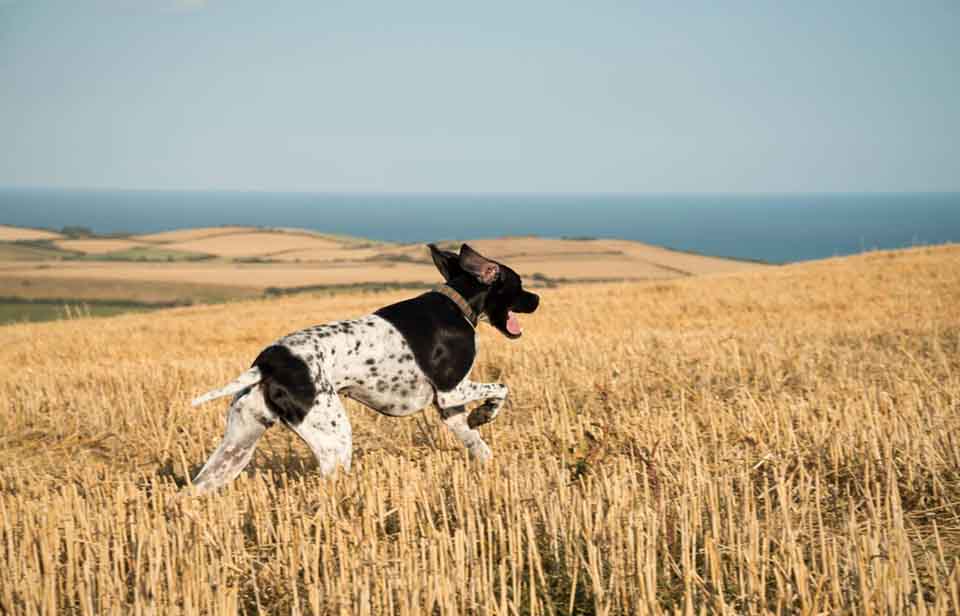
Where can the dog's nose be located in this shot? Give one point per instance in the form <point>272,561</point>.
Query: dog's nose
<point>529,302</point>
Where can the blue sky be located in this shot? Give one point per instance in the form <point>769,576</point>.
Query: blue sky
<point>481,96</point>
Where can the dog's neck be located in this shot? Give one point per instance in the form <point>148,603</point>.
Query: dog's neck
<point>471,292</point>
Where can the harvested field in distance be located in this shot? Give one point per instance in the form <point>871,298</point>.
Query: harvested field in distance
<point>186,235</point>
<point>90,289</point>
<point>268,259</point>
<point>215,262</point>
<point>512,247</point>
<point>782,440</point>
<point>330,252</point>
<point>689,263</point>
<point>14,234</point>
<point>349,241</point>
<point>602,267</point>
<point>255,244</point>
<point>96,246</point>
<point>254,276</point>
<point>154,253</point>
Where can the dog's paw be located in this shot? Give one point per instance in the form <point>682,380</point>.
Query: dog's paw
<point>485,413</point>
<point>479,451</point>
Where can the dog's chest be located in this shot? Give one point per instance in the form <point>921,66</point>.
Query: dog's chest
<point>366,359</point>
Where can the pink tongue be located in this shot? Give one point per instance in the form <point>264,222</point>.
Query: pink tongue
<point>513,324</point>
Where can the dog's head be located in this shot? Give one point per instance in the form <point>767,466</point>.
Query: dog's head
<point>501,294</point>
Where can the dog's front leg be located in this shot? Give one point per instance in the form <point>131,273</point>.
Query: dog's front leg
<point>463,425</point>
<point>455,419</point>
<point>492,394</point>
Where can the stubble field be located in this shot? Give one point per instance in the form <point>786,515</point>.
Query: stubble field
<point>783,440</point>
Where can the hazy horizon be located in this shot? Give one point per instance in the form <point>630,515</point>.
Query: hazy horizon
<point>774,228</point>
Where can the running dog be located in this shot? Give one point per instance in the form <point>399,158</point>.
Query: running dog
<point>396,361</point>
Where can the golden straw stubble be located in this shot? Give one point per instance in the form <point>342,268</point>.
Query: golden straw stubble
<point>774,441</point>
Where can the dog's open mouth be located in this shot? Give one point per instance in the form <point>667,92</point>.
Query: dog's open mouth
<point>513,324</point>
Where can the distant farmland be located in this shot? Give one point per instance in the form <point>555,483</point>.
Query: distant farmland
<point>223,263</point>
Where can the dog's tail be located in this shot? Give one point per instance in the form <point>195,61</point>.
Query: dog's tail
<point>248,379</point>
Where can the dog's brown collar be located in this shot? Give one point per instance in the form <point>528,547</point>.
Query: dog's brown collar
<point>465,308</point>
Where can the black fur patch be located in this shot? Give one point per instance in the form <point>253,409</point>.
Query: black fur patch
<point>285,369</point>
<point>441,339</point>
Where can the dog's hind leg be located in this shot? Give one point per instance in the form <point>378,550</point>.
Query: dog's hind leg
<point>326,430</point>
<point>247,419</point>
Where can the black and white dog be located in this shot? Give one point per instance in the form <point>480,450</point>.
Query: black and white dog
<point>396,361</point>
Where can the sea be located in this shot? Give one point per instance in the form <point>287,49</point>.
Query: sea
<point>773,228</point>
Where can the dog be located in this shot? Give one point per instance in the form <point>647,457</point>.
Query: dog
<point>396,361</point>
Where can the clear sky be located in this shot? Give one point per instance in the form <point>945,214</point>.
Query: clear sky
<point>491,96</point>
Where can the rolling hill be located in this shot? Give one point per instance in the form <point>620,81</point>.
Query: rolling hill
<point>772,440</point>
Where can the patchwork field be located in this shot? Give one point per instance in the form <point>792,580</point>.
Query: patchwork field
<point>96,246</point>
<point>17,251</point>
<point>186,235</point>
<point>52,284</point>
<point>254,244</point>
<point>254,276</point>
<point>18,234</point>
<point>779,440</point>
<point>217,261</point>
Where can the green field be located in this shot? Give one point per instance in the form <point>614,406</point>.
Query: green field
<point>44,250</point>
<point>30,251</point>
<point>149,253</point>
<point>22,312</point>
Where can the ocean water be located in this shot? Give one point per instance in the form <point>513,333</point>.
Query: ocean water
<point>771,228</point>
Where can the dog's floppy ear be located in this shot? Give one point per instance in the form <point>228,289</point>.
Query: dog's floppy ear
<point>482,268</point>
<point>447,262</point>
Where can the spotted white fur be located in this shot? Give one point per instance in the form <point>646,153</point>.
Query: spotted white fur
<point>365,359</point>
